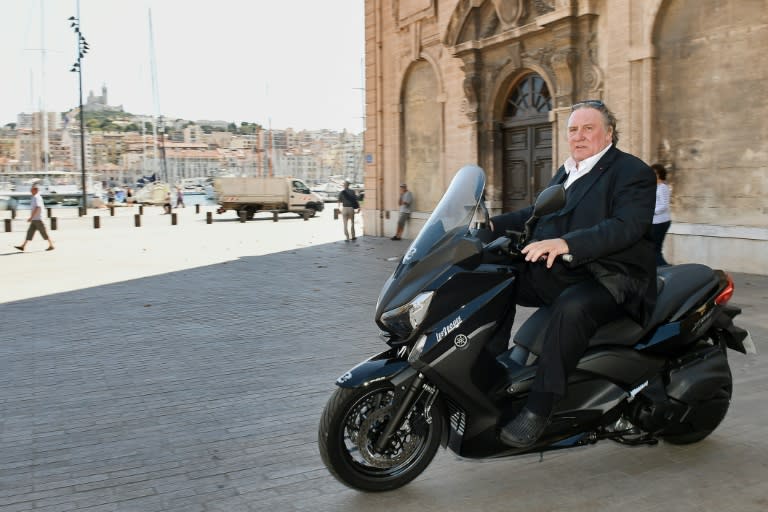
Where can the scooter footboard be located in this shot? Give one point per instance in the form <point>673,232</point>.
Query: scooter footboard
<point>384,366</point>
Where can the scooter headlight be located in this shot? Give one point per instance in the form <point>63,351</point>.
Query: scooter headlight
<point>408,317</point>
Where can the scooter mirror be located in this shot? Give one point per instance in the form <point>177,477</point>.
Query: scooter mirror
<point>549,201</point>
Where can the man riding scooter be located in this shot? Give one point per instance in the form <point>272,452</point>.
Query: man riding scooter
<point>604,226</point>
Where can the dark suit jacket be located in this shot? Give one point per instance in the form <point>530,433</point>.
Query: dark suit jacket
<point>606,222</point>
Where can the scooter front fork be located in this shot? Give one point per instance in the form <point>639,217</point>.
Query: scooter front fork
<point>405,405</point>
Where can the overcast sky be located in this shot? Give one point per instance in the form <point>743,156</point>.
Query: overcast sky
<point>294,63</point>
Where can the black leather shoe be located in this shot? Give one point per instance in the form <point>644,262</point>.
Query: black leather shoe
<point>524,429</point>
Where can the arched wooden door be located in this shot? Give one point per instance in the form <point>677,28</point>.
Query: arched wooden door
<point>527,138</point>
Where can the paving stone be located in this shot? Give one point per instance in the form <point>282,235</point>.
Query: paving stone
<point>186,368</point>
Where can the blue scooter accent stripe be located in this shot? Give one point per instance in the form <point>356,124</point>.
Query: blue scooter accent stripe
<point>662,333</point>
<point>569,441</point>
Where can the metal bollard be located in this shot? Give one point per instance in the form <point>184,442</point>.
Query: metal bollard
<point>137,220</point>
<point>111,211</point>
<point>141,209</point>
<point>7,225</point>
<point>242,215</point>
<point>197,208</point>
<point>274,216</point>
<point>335,214</point>
<point>49,212</point>
<point>13,213</point>
<point>80,211</point>
<point>208,218</point>
<point>305,215</point>
<point>173,219</point>
<point>96,222</point>
<point>54,223</point>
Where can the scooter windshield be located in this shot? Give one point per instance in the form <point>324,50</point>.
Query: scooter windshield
<point>452,216</point>
<point>433,249</point>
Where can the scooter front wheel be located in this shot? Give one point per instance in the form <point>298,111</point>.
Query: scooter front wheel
<point>351,424</point>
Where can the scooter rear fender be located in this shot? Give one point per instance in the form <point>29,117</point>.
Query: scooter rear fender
<point>384,366</point>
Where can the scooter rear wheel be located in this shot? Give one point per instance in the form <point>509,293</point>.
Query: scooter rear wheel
<point>350,425</point>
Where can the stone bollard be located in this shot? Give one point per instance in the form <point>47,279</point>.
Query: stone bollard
<point>173,219</point>
<point>96,222</point>
<point>208,218</point>
<point>137,220</point>
<point>54,224</point>
<point>197,208</point>
<point>7,225</point>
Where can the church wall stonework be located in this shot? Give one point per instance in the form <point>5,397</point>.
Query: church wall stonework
<point>688,88</point>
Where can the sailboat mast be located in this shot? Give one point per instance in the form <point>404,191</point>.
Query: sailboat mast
<point>156,101</point>
<point>43,114</point>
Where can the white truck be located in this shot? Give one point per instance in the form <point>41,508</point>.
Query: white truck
<point>266,194</point>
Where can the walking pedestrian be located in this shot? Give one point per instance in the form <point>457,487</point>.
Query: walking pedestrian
<point>661,217</point>
<point>180,198</point>
<point>36,220</point>
<point>349,206</point>
<point>405,201</point>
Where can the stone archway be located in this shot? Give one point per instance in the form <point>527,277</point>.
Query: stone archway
<point>421,135</point>
<point>527,141</point>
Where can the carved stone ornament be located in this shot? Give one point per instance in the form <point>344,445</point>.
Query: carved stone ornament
<point>471,86</point>
<point>563,63</point>
<point>593,75</point>
<point>544,6</point>
<point>510,12</point>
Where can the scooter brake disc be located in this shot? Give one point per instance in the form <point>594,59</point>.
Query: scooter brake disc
<point>399,447</point>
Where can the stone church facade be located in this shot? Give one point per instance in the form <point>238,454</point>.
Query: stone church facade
<point>491,82</point>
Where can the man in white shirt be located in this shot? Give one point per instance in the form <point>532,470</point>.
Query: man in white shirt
<point>36,220</point>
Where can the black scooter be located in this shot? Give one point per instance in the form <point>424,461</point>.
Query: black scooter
<point>450,379</point>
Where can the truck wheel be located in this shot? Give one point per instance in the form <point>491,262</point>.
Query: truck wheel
<point>249,213</point>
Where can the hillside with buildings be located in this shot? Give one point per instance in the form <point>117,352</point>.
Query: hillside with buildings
<point>122,147</point>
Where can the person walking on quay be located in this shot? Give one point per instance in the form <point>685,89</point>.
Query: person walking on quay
<point>405,201</point>
<point>180,198</point>
<point>36,220</point>
<point>661,217</point>
<point>349,206</point>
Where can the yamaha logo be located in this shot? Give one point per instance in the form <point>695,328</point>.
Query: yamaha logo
<point>461,341</point>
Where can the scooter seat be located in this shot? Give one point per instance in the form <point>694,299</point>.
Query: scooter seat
<point>679,288</point>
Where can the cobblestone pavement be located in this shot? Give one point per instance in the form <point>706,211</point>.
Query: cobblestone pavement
<point>184,368</point>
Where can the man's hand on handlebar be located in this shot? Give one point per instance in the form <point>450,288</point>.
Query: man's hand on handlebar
<point>549,249</point>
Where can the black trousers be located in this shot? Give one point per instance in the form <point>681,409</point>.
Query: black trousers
<point>658,232</point>
<point>580,305</point>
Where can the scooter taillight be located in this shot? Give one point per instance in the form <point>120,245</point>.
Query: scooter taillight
<point>727,292</point>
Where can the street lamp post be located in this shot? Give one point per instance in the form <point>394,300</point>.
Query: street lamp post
<point>82,49</point>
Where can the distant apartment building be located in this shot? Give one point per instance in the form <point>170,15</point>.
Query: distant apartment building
<point>177,149</point>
